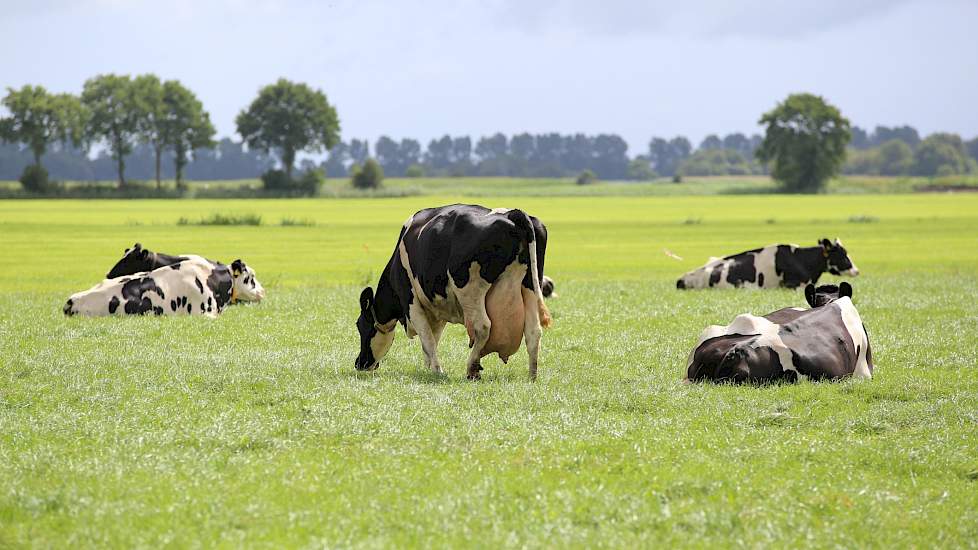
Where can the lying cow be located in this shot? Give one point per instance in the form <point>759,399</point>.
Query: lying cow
<point>777,265</point>
<point>462,264</point>
<point>827,341</point>
<point>192,286</point>
<point>138,259</point>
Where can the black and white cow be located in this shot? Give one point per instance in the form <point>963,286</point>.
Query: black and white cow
<point>138,260</point>
<point>193,286</point>
<point>828,341</point>
<point>547,287</point>
<point>462,264</point>
<point>774,266</point>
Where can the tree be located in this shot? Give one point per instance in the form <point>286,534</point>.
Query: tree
<point>711,142</point>
<point>906,134</point>
<point>941,154</point>
<point>368,176</point>
<point>187,126</point>
<point>114,116</point>
<point>805,141</point>
<point>639,170</point>
<point>148,95</point>
<point>666,156</point>
<point>289,117</point>
<point>39,119</point>
<point>895,158</point>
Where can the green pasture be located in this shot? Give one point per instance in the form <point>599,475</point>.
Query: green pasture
<point>253,430</point>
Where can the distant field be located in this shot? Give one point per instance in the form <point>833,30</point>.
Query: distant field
<point>480,187</point>
<point>254,429</point>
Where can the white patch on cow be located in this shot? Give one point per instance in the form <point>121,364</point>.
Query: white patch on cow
<point>854,325</point>
<point>380,344</point>
<point>751,325</point>
<point>764,265</point>
<point>498,211</point>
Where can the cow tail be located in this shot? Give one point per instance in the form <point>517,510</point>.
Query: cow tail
<point>523,223</point>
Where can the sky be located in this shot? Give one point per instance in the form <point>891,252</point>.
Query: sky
<point>423,69</point>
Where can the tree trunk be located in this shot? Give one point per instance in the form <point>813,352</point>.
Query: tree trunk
<point>159,182</point>
<point>37,157</point>
<point>122,168</point>
<point>288,159</point>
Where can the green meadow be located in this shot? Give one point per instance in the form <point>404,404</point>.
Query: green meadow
<point>254,430</point>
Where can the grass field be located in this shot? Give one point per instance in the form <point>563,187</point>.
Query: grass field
<point>254,429</point>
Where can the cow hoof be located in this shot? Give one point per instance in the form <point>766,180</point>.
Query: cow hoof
<point>474,372</point>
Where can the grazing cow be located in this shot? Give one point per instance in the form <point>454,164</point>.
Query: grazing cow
<point>828,341</point>
<point>777,265</point>
<point>462,264</point>
<point>138,259</point>
<point>194,286</point>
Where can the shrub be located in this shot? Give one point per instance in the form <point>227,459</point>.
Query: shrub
<point>35,180</point>
<point>639,170</point>
<point>678,178</point>
<point>587,177</point>
<point>368,176</point>
<point>414,171</point>
<point>310,181</point>
<point>276,180</point>
<point>223,219</point>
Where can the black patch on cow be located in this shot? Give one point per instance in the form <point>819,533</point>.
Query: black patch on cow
<point>189,308</point>
<point>113,304</point>
<point>715,275</point>
<point>67,307</point>
<point>176,266</point>
<point>742,269</point>
<point>220,282</point>
<point>173,305</point>
<point>760,280</point>
<point>200,285</point>
<point>157,310</point>
<point>680,284</point>
<point>134,293</point>
<point>799,266</point>
<point>138,259</point>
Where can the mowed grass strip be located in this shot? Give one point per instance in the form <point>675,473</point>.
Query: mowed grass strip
<point>254,429</point>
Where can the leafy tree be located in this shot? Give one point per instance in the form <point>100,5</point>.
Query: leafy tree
<point>805,141</point>
<point>289,117</point>
<point>187,126</point>
<point>368,176</point>
<point>972,147</point>
<point>666,156</point>
<point>388,155</point>
<point>715,162</point>
<point>359,151</point>
<point>148,94</point>
<point>906,134</point>
<point>941,154</point>
<point>114,116</point>
<point>860,139</point>
<point>895,158</point>
<point>39,119</point>
<point>414,171</point>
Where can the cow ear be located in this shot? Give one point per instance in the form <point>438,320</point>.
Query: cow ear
<point>366,299</point>
<point>845,289</point>
<point>826,244</point>
<point>810,294</point>
<point>143,253</point>
<point>237,267</point>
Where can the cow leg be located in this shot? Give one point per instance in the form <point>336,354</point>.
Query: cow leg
<point>478,324</point>
<point>531,329</point>
<point>426,333</point>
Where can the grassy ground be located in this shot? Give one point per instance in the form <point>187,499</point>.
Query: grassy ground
<point>254,429</point>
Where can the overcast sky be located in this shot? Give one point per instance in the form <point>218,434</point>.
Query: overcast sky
<point>422,69</point>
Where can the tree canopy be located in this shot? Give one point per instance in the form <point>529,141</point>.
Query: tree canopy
<point>289,117</point>
<point>805,141</point>
<point>38,119</point>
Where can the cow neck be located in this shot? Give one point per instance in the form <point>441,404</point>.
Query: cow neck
<point>386,306</point>
<point>813,258</point>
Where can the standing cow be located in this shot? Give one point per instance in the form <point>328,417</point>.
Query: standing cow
<point>462,264</point>
<point>828,341</point>
<point>774,266</point>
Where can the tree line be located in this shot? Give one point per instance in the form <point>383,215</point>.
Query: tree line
<point>146,128</point>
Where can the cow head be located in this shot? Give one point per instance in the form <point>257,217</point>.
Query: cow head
<point>134,260</point>
<point>375,339</point>
<point>826,294</point>
<point>837,260</point>
<point>246,287</point>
